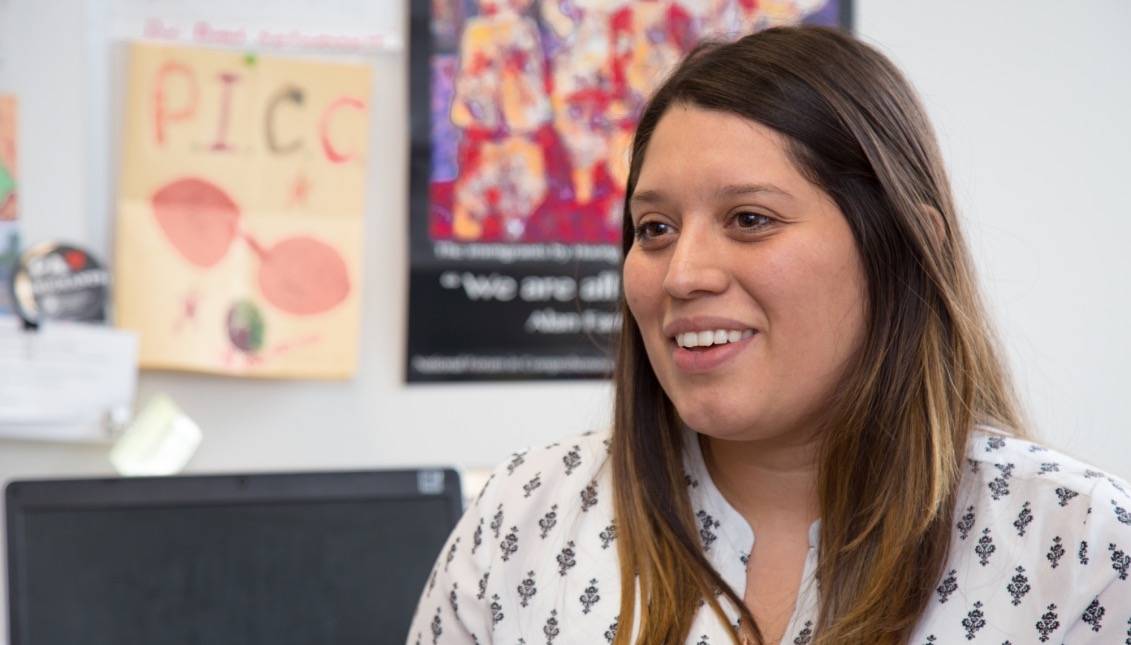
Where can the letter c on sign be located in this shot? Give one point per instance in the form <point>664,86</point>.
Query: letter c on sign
<point>332,153</point>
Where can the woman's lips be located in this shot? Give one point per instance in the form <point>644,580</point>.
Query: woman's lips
<point>698,360</point>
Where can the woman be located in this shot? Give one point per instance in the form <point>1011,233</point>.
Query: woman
<point>815,439</point>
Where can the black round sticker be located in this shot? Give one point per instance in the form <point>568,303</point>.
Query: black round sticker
<point>59,282</point>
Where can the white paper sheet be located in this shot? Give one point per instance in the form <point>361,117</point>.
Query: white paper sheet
<point>65,381</point>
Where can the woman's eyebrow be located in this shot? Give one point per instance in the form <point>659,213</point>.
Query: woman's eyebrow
<point>727,191</point>
<point>648,197</point>
<point>742,190</point>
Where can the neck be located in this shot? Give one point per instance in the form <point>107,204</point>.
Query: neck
<point>773,484</point>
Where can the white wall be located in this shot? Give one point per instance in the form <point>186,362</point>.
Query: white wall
<point>1032,101</point>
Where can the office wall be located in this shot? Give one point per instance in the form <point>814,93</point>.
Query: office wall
<point>1031,101</point>
<point>1031,105</point>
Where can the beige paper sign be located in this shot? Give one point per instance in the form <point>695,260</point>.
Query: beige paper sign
<point>240,212</point>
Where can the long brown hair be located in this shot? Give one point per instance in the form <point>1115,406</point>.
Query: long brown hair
<point>927,371</point>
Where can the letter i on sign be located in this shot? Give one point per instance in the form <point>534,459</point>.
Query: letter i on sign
<point>228,80</point>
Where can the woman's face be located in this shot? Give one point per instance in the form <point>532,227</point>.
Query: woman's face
<point>743,277</point>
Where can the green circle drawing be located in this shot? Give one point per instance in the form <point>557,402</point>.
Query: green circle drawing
<point>245,326</point>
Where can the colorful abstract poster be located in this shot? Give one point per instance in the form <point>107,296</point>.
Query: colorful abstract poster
<point>239,225</point>
<point>9,204</point>
<point>523,114</point>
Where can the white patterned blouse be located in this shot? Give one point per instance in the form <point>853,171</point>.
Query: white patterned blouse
<point>1041,553</point>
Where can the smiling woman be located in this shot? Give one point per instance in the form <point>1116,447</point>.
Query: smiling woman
<point>730,237</point>
<point>815,438</point>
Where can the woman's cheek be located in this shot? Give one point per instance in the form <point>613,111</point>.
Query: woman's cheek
<point>635,296</point>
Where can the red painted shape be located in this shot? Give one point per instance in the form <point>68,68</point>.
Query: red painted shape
<point>332,153</point>
<point>198,218</point>
<point>221,143</point>
<point>303,276</point>
<point>162,114</point>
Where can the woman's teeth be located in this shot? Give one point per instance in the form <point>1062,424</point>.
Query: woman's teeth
<point>708,338</point>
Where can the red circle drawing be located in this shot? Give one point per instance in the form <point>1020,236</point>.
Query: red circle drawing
<point>303,276</point>
<point>198,218</point>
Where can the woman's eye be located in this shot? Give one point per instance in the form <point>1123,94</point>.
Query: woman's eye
<point>649,230</point>
<point>751,220</point>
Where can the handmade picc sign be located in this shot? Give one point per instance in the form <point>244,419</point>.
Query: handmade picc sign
<point>240,212</point>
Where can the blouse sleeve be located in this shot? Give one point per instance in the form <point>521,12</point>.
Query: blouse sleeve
<point>451,610</point>
<point>1104,584</point>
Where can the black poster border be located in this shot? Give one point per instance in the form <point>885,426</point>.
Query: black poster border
<point>501,311</point>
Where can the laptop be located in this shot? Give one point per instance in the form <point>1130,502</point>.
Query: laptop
<point>282,558</point>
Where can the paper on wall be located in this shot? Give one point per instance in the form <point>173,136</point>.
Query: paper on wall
<point>65,381</point>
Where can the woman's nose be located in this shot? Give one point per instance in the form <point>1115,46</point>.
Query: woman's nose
<point>695,267</point>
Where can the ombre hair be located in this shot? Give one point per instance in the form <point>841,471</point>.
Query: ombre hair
<point>927,371</point>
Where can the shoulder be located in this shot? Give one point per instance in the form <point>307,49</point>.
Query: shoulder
<point>1000,467</point>
<point>545,470</point>
<point>1037,534</point>
<point>1022,485</point>
<point>541,498</point>
<point>543,521</point>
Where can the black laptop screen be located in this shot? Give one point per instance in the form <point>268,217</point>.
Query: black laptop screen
<point>302,558</point>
